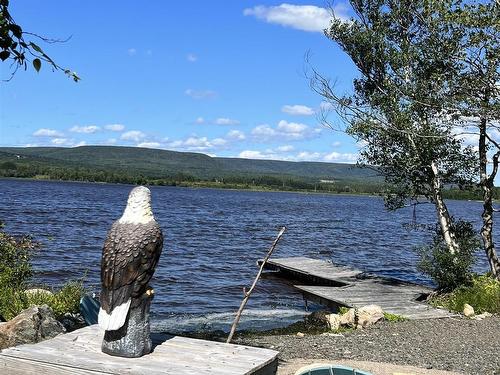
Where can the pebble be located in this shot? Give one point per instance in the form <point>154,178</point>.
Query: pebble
<point>454,344</point>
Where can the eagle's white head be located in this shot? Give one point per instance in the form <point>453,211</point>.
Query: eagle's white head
<point>138,210</point>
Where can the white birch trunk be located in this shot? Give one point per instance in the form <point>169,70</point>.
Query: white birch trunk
<point>442,213</point>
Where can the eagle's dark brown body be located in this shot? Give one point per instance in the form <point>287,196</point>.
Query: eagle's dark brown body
<point>130,254</point>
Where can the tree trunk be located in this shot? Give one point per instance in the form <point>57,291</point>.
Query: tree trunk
<point>443,215</point>
<point>486,183</point>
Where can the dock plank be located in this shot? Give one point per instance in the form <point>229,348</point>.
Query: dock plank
<point>335,286</point>
<point>79,352</point>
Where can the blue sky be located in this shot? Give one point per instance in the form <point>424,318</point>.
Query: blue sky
<point>224,78</point>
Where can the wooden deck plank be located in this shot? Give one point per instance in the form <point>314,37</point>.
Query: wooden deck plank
<point>335,286</point>
<point>313,269</point>
<point>79,352</point>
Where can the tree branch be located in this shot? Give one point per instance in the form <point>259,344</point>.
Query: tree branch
<point>249,292</point>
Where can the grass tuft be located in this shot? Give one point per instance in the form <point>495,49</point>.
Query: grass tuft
<point>394,317</point>
<point>483,295</point>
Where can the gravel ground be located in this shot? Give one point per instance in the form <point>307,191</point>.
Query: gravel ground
<point>454,344</point>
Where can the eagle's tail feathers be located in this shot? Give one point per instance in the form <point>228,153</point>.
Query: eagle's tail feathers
<point>116,318</point>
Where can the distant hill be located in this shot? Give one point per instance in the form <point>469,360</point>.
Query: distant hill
<point>156,163</point>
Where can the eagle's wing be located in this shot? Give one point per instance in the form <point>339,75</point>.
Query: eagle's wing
<point>129,258</point>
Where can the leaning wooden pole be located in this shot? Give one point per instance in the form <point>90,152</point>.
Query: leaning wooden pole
<point>247,293</point>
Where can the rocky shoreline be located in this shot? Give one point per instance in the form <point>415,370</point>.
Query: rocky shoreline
<point>455,344</point>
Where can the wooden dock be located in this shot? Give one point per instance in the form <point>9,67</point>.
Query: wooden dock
<point>79,353</point>
<point>336,286</point>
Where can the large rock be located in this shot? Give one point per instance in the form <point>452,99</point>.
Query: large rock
<point>368,315</point>
<point>318,319</point>
<point>32,325</point>
<point>333,322</point>
<point>362,317</point>
<point>348,319</point>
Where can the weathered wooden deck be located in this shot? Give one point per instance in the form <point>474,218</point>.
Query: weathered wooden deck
<point>79,353</point>
<point>335,286</point>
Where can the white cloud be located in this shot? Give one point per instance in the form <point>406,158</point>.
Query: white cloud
<point>44,132</point>
<point>60,141</point>
<point>301,17</point>
<point>252,154</point>
<point>308,156</point>
<point>279,153</point>
<point>338,157</point>
<point>236,135</point>
<point>336,144</point>
<point>285,148</point>
<point>200,94</point>
<point>291,127</point>
<point>133,135</point>
<point>149,144</point>
<point>195,143</point>
<point>191,57</point>
<point>67,142</point>
<point>85,129</point>
<point>132,52</point>
<point>297,110</point>
<point>226,121</point>
<point>115,127</point>
<point>285,131</point>
<point>111,141</point>
<point>283,153</point>
<point>199,120</point>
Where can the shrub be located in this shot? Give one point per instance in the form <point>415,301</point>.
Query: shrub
<point>447,270</point>
<point>15,272</point>
<point>11,302</point>
<point>483,295</point>
<point>15,257</point>
<point>67,300</point>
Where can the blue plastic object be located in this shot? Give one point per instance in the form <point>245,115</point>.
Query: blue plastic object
<point>330,370</point>
<point>89,308</point>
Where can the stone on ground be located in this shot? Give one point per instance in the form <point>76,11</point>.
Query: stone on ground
<point>468,310</point>
<point>368,315</point>
<point>318,319</point>
<point>32,325</point>
<point>333,322</point>
<point>348,319</point>
<point>362,317</point>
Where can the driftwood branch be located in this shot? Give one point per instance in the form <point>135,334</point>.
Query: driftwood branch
<point>249,292</point>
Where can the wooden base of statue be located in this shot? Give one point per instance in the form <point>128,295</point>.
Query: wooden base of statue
<point>133,339</point>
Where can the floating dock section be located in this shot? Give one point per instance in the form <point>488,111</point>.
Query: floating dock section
<point>334,286</point>
<point>79,353</point>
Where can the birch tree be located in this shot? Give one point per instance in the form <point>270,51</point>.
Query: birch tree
<point>476,96</point>
<point>399,108</point>
<point>429,70</point>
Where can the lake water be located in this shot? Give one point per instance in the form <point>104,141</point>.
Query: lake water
<point>212,241</point>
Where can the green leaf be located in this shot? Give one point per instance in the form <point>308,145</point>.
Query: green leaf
<point>37,64</point>
<point>4,55</point>
<point>36,48</point>
<point>16,30</point>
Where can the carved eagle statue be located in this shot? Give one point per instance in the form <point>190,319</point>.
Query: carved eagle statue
<point>129,257</point>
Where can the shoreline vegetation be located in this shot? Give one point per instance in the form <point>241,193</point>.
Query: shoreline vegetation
<point>276,185</point>
<point>139,166</point>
